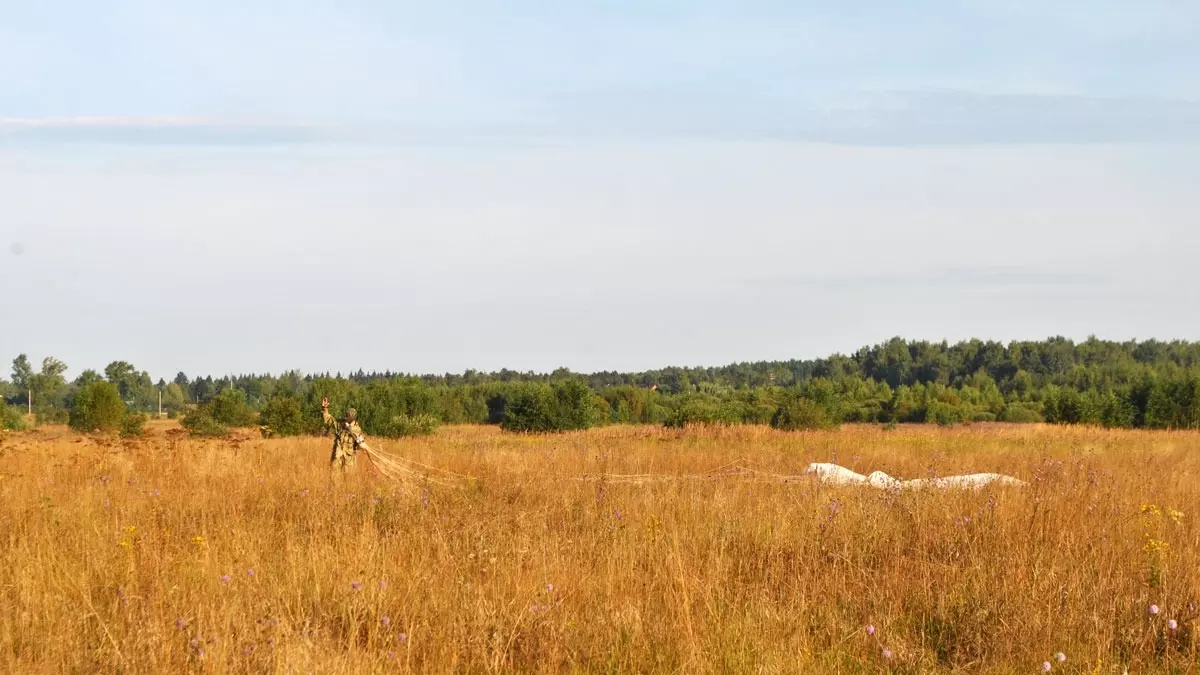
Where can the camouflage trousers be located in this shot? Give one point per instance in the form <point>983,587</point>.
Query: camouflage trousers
<point>342,459</point>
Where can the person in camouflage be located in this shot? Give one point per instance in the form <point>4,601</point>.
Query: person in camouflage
<point>348,437</point>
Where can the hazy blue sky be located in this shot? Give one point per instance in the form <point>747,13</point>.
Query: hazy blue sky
<point>224,186</point>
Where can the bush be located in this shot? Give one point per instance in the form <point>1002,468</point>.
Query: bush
<point>96,407</point>
<point>133,425</point>
<point>568,405</point>
<point>229,408</point>
<point>200,422</point>
<point>1021,413</point>
<point>282,416</point>
<point>530,409</point>
<point>11,418</point>
<point>412,425</point>
<point>802,414</point>
<point>945,414</point>
<point>702,409</point>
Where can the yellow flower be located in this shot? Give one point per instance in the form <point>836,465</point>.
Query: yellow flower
<point>198,540</point>
<point>1152,510</point>
<point>1174,515</point>
<point>1157,546</point>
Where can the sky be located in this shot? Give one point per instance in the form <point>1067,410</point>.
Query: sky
<point>225,187</point>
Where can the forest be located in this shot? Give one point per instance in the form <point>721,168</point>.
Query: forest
<point>1132,384</point>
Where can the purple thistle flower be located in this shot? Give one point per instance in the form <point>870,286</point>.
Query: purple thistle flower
<point>391,656</point>
<point>383,584</point>
<point>250,572</point>
<point>1060,657</point>
<point>1154,610</point>
<point>887,654</point>
<point>403,638</point>
<point>549,588</point>
<point>870,630</point>
<point>356,585</point>
<point>1173,624</point>
<point>180,623</point>
<point>225,578</point>
<point>386,621</point>
<point>1046,666</point>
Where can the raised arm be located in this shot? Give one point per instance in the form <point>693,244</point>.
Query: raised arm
<point>329,420</point>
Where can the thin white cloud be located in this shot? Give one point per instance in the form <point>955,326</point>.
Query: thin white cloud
<point>137,130</point>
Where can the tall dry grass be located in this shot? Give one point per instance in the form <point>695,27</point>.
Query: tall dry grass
<point>173,555</point>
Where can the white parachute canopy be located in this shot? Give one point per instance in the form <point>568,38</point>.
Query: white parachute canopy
<point>832,474</point>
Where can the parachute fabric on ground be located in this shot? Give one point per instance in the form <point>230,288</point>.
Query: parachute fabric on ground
<point>401,470</point>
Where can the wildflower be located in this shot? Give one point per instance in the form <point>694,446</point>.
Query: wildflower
<point>383,584</point>
<point>225,578</point>
<point>391,656</point>
<point>403,637</point>
<point>549,588</point>
<point>180,623</point>
<point>250,572</point>
<point>1060,657</point>
<point>1173,624</point>
<point>887,654</point>
<point>870,630</point>
<point>1046,666</point>
<point>386,621</point>
<point>356,585</point>
<point>248,650</point>
<point>1152,510</point>
<point>198,540</point>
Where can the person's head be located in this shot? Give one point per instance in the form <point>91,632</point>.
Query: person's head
<point>351,415</point>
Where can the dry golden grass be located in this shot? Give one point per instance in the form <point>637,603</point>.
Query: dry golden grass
<point>137,557</point>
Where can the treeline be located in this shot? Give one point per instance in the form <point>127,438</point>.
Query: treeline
<point>1118,384</point>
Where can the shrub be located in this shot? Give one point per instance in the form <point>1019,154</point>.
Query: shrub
<point>1021,413</point>
<point>529,408</point>
<point>282,416</point>
<point>11,418</point>
<point>200,422</point>
<point>567,405</point>
<point>230,409</point>
<point>412,425</point>
<point>702,409</point>
<point>96,407</point>
<point>802,414</point>
<point>945,414</point>
<point>133,425</point>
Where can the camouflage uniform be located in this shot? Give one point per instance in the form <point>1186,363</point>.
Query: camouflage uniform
<point>347,438</point>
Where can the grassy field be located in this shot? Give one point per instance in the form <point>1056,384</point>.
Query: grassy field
<point>176,555</point>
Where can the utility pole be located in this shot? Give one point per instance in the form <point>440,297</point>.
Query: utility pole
<point>29,401</point>
<point>160,403</point>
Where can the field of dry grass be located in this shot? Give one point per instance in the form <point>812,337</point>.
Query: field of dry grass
<point>176,555</point>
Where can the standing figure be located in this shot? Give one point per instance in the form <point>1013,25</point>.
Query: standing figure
<point>347,436</point>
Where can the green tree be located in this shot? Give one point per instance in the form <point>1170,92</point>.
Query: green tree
<point>97,407</point>
<point>802,414</point>
<point>87,377</point>
<point>22,378</point>
<point>229,408</point>
<point>282,416</point>
<point>174,398</point>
